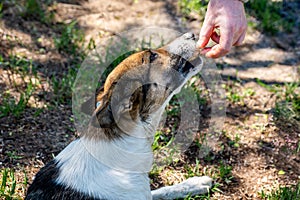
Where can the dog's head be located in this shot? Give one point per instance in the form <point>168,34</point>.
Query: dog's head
<point>137,90</point>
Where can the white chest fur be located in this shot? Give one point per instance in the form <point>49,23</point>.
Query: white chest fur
<point>95,168</point>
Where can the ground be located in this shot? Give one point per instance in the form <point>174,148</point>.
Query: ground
<point>259,144</point>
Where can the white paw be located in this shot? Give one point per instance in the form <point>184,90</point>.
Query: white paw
<point>192,186</point>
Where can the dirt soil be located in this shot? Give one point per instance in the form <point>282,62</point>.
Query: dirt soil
<point>28,142</point>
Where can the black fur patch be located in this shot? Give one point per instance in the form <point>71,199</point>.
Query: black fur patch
<point>181,65</point>
<point>45,188</point>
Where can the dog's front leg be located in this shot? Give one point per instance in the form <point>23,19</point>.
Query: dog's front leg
<point>192,186</point>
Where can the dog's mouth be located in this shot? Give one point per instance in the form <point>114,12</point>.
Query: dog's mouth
<point>186,67</point>
<point>182,66</point>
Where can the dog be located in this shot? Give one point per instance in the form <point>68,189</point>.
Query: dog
<point>111,160</point>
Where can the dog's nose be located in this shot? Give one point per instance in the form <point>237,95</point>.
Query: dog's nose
<point>189,36</point>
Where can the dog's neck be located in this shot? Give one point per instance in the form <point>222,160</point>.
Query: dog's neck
<point>130,153</point>
<point>126,154</point>
<point>103,170</point>
<point>84,164</point>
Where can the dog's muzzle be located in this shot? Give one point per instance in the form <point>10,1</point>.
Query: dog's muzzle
<point>184,54</point>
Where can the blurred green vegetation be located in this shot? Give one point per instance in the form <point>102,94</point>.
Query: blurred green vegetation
<point>193,6</point>
<point>272,16</point>
<point>282,193</point>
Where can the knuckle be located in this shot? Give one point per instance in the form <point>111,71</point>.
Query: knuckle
<point>225,49</point>
<point>239,43</point>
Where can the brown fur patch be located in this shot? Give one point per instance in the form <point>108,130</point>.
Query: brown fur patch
<point>139,95</point>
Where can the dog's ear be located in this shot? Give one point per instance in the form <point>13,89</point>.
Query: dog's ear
<point>134,103</point>
<point>103,116</point>
<point>106,116</point>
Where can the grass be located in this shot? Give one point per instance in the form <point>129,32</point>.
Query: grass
<point>9,186</point>
<point>13,155</point>
<point>13,107</point>
<point>224,173</point>
<point>287,106</point>
<point>160,140</point>
<point>270,15</point>
<point>1,9</point>
<point>34,9</point>
<point>70,40</point>
<point>234,95</point>
<point>25,70</point>
<point>283,193</point>
<point>37,10</point>
<point>62,87</point>
<point>192,6</point>
<point>235,142</point>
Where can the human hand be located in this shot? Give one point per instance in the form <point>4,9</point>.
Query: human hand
<point>229,17</point>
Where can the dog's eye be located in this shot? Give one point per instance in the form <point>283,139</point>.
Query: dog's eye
<point>153,56</point>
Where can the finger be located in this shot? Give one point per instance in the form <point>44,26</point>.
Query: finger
<point>205,50</point>
<point>205,33</point>
<point>215,37</point>
<point>215,52</point>
<point>240,40</point>
<point>225,43</point>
